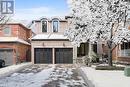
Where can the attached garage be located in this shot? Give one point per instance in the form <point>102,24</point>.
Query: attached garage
<point>63,55</point>
<point>43,56</point>
<point>7,56</point>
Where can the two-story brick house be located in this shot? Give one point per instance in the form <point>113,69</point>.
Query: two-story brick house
<point>49,45</point>
<point>14,43</point>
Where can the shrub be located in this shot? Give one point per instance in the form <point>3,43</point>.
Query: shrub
<point>109,68</point>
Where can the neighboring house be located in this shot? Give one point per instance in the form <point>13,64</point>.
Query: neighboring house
<point>49,45</point>
<point>122,52</point>
<point>14,43</point>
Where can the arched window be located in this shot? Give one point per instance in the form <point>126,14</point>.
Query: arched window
<point>44,26</point>
<point>55,26</point>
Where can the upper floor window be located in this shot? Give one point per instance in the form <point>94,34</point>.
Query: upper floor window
<point>125,49</point>
<point>55,26</point>
<point>44,26</point>
<point>7,30</point>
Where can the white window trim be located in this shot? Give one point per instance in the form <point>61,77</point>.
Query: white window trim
<point>58,25</point>
<point>122,52</point>
<point>47,25</point>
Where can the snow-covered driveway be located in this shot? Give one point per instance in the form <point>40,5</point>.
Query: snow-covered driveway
<point>44,76</point>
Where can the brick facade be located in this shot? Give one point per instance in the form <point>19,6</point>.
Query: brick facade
<point>21,48</point>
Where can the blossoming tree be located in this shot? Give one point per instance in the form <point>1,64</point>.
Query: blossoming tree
<point>98,20</point>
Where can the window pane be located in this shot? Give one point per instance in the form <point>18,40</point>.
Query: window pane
<point>125,49</point>
<point>55,26</point>
<point>7,30</point>
<point>44,26</point>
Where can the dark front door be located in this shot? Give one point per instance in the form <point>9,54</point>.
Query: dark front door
<point>43,55</point>
<point>63,55</point>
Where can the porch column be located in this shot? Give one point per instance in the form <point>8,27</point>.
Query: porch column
<point>99,48</point>
<point>89,52</point>
<point>32,53</point>
<point>53,55</point>
<point>74,54</point>
<point>119,50</point>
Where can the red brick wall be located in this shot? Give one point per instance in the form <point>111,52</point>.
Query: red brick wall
<point>22,34</point>
<point>22,49</point>
<point>124,59</point>
<point>114,57</point>
<point>129,27</point>
<point>18,30</point>
<point>14,31</point>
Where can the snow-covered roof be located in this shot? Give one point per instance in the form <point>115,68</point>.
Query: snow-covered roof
<point>13,39</point>
<point>49,37</point>
<point>23,22</point>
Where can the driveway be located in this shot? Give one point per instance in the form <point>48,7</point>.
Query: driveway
<point>44,76</point>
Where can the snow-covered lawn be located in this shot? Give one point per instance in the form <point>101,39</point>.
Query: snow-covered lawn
<point>44,76</point>
<point>105,78</point>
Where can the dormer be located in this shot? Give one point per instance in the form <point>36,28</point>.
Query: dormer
<point>52,25</point>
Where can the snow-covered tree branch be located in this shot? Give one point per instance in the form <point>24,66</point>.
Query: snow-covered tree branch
<point>98,20</point>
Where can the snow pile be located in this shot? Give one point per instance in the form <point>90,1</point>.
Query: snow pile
<point>105,78</point>
<point>11,69</point>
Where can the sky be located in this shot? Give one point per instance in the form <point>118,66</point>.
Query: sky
<point>34,9</point>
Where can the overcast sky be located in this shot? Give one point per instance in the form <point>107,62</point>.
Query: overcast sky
<point>34,9</point>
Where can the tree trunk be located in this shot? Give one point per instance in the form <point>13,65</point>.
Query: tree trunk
<point>110,57</point>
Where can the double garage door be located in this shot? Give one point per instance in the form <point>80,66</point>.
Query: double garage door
<point>7,56</point>
<point>45,56</point>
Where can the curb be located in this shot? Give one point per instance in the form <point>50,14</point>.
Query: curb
<point>11,71</point>
<point>84,76</point>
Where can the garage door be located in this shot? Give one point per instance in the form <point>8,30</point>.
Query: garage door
<point>43,55</point>
<point>63,55</point>
<point>7,56</point>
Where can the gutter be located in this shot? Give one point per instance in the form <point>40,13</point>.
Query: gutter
<point>49,39</point>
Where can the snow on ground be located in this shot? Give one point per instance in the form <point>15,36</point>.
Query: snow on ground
<point>11,69</point>
<point>104,78</point>
<point>44,76</point>
<point>64,76</point>
<point>32,77</point>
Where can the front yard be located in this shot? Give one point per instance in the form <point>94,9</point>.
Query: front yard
<point>106,78</point>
